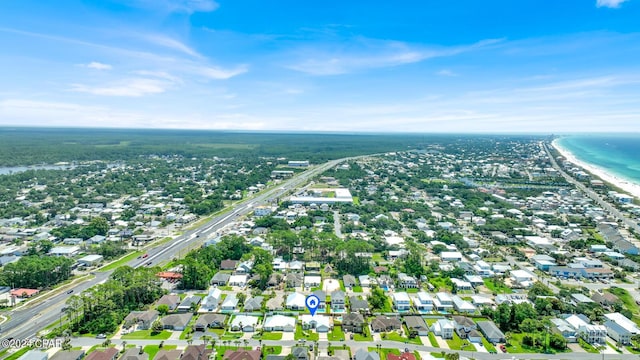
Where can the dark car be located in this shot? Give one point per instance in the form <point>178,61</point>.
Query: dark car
<point>70,291</point>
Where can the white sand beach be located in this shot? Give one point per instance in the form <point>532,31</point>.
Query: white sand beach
<point>629,187</point>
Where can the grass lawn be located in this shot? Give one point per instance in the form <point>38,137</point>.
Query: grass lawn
<point>384,351</point>
<point>498,287</point>
<point>147,335</point>
<point>627,300</point>
<point>271,336</point>
<point>123,260</point>
<point>152,350</point>
<point>412,291</point>
<point>440,284</point>
<point>366,336</point>
<point>515,345</point>
<point>225,288</point>
<point>272,350</point>
<point>18,353</point>
<point>357,289</point>
<point>305,335</point>
<point>377,257</point>
<point>336,334</point>
<point>437,355</point>
<point>433,340</point>
<point>458,344</point>
<point>342,285</point>
<point>487,345</point>
<point>587,347</point>
<point>393,336</point>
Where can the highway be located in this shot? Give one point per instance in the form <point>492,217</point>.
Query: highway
<point>26,321</point>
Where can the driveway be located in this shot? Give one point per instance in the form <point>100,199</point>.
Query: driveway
<point>442,343</point>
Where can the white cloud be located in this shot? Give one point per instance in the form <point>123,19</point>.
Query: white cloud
<point>371,54</point>
<point>446,72</point>
<point>178,6</point>
<point>98,66</point>
<point>170,43</point>
<point>609,3</point>
<point>135,87</point>
<point>218,73</point>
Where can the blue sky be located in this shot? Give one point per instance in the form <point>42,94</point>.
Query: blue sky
<point>372,66</point>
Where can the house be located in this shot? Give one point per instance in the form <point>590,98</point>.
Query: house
<point>337,355</point>
<point>134,353</point>
<point>244,267</point>
<point>254,304</point>
<point>300,353</point>
<point>230,303</point>
<point>294,280</point>
<point>349,281</point>
<point>189,303</point>
<point>143,319</point>
<point>451,256</point>
<point>338,298</point>
<point>228,264</point>
<point>593,334</point>
<point>353,322</point>
<point>443,302</point>
<point>68,355</point>
<point>461,284</point>
<point>401,301</point>
<point>172,301</point>
<point>321,324</point>
<point>295,301</point>
<point>242,355</point>
<point>366,281</point>
<point>239,280</point>
<point>220,279</point>
<point>356,304</point>
<point>383,323</point>
<point>246,323</point>
<point>212,300</point>
<point>176,322</point>
<point>363,354</point>
<point>406,281</point>
<point>34,355</point>
<point>423,302</point>
<point>279,323</point>
<point>322,296</point>
<point>443,328</point>
<point>196,352</point>
<point>90,260</point>
<point>462,306</point>
<point>168,354</point>
<point>66,251</point>
<point>565,329</point>
<point>463,326</point>
<point>312,281</point>
<point>522,278</point>
<point>210,321</point>
<point>605,298</point>
<point>543,262</point>
<point>620,328</point>
<point>106,354</point>
<point>416,324</point>
<point>491,331</point>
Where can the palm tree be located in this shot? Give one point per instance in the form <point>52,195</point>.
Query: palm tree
<point>190,341</point>
<point>237,342</point>
<point>246,342</point>
<point>124,346</point>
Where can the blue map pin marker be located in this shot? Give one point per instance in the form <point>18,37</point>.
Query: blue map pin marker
<point>312,303</point>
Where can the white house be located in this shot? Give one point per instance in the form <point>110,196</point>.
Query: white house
<point>443,328</point>
<point>401,301</point>
<point>279,323</point>
<point>522,278</point>
<point>443,302</point>
<point>423,302</point>
<point>321,324</point>
<point>451,256</point>
<point>312,281</point>
<point>67,251</point>
<point>238,280</point>
<point>295,301</point>
<point>244,323</point>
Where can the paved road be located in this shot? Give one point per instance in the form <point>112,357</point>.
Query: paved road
<point>593,195</point>
<point>27,321</point>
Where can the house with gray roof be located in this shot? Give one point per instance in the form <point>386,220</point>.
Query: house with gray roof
<point>253,304</point>
<point>210,321</point>
<point>177,322</point>
<point>491,331</point>
<point>220,279</point>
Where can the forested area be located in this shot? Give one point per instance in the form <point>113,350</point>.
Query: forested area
<point>102,308</point>
<point>36,272</point>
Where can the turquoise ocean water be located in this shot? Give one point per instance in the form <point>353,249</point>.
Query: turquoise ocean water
<point>619,155</point>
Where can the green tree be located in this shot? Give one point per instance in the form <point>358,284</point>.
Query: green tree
<point>163,309</point>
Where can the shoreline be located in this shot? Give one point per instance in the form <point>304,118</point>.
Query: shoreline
<point>626,185</point>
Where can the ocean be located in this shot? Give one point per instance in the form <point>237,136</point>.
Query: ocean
<point>619,155</point>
